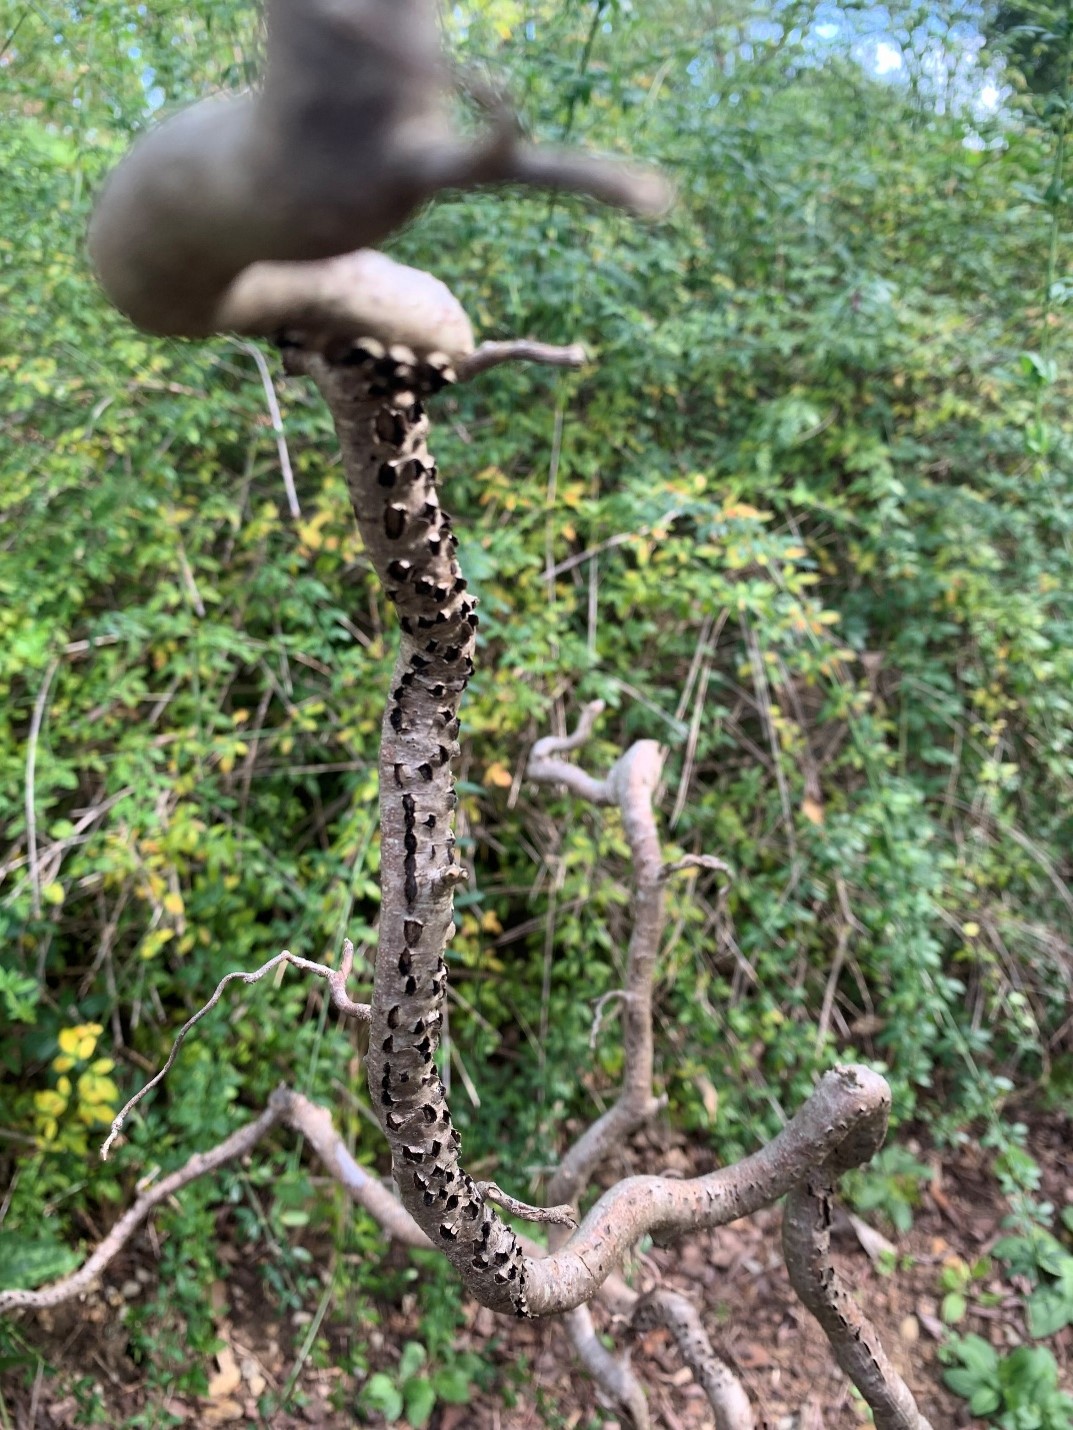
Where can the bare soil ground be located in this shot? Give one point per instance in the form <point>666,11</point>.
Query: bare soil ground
<point>735,1274</point>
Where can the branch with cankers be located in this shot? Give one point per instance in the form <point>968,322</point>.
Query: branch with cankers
<point>376,350</point>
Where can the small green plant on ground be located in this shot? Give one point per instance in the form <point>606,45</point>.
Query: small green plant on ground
<point>890,1185</point>
<point>1039,1255</point>
<point>1018,1391</point>
<point>413,1390</point>
<point>956,1280</point>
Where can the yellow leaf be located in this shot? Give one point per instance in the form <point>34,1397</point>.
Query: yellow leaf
<point>68,1039</point>
<point>970,930</point>
<point>812,810</point>
<point>173,904</point>
<point>50,1103</point>
<point>97,1090</point>
<point>155,941</point>
<point>499,776</point>
<point>63,1063</point>
<point>86,1044</point>
<point>490,922</point>
<point>53,893</point>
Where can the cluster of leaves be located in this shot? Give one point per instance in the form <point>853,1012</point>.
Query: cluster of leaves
<point>808,521</point>
<point>1018,1391</point>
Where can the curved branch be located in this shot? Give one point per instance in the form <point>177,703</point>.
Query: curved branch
<point>722,1387</point>
<point>356,295</point>
<point>348,136</point>
<point>544,768</point>
<point>806,1240</point>
<point>631,782</point>
<point>234,1146</point>
<point>845,1118</point>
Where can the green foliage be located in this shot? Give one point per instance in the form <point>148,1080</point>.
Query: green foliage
<point>808,520</point>
<point>957,1281</point>
<point>412,1392</point>
<point>1018,1391</point>
<point>890,1184</point>
<point>26,1264</point>
<point>1048,1265</point>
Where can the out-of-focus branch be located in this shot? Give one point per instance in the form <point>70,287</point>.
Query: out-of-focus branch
<point>544,768</point>
<point>336,979</point>
<point>806,1240</point>
<point>630,783</point>
<point>231,1147</point>
<point>36,721</point>
<point>276,416</point>
<point>722,1387</point>
<point>612,1373</point>
<point>490,355</point>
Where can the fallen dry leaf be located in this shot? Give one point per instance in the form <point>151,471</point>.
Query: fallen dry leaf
<point>228,1378</point>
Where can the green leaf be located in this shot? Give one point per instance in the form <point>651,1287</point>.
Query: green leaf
<point>977,1355</point>
<point>1049,1309</point>
<point>420,1402</point>
<point>412,1359</point>
<point>25,1264</point>
<point>953,1308</point>
<point>962,1382</point>
<point>453,1385</point>
<point>380,1393</point>
<point>984,1401</point>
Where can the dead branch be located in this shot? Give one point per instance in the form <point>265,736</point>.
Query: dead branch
<point>612,1373</point>
<point>630,783</point>
<point>336,979</point>
<point>198,1165</point>
<point>806,1241</point>
<point>490,355</point>
<point>722,1387</point>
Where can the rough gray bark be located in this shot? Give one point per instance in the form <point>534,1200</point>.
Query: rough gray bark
<point>806,1241</point>
<point>375,398</point>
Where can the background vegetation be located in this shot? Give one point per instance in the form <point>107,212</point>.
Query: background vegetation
<point>807,520</point>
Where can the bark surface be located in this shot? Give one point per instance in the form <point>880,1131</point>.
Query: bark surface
<point>375,398</point>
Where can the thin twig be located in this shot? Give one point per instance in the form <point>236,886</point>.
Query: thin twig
<point>201,1162</point>
<point>335,977</point>
<point>277,424</point>
<point>695,861</point>
<point>490,355</point>
<point>556,1216</point>
<point>36,721</point>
